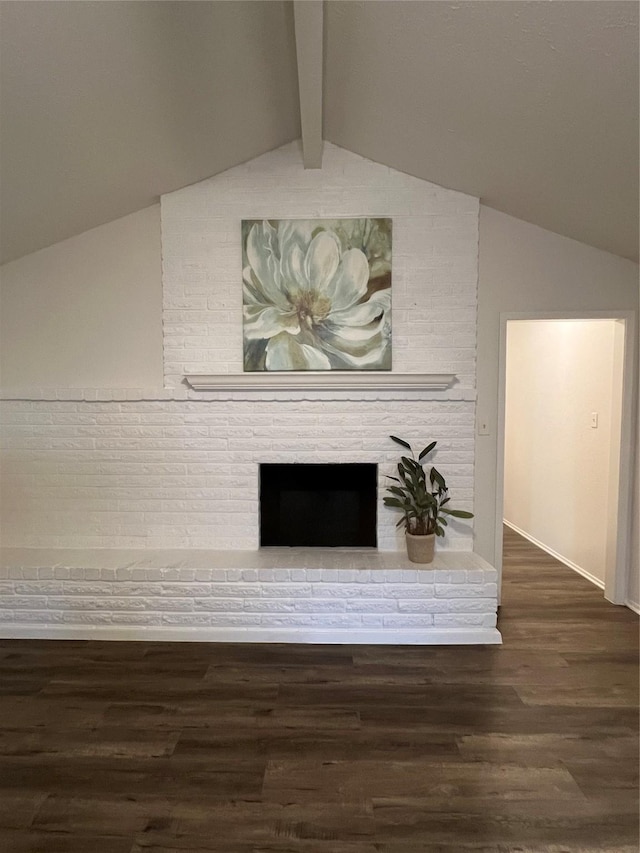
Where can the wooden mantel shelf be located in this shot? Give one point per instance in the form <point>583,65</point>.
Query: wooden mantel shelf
<point>322,381</point>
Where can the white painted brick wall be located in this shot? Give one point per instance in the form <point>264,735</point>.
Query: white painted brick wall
<point>435,248</point>
<point>90,475</point>
<point>171,468</point>
<point>173,473</point>
<point>407,600</point>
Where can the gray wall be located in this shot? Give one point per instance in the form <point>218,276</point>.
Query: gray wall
<point>86,312</point>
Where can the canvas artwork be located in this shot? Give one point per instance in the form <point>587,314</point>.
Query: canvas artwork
<point>316,294</point>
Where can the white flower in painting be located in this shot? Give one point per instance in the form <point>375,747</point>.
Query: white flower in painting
<point>305,299</point>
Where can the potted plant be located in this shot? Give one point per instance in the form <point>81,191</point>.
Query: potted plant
<point>423,500</point>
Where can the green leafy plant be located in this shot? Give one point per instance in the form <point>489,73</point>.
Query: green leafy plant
<point>422,498</point>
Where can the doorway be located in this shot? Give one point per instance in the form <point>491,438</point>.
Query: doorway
<point>565,445</point>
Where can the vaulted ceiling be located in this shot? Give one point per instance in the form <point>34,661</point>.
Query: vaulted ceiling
<point>531,106</point>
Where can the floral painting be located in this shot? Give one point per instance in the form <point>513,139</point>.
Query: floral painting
<point>316,294</point>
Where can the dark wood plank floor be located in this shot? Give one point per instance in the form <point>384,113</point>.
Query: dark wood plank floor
<point>159,748</point>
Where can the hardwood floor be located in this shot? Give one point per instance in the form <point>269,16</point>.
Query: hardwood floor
<point>160,747</point>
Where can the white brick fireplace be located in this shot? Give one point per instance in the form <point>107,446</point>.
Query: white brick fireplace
<point>134,512</point>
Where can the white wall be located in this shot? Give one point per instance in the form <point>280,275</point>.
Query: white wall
<point>634,577</point>
<point>174,468</point>
<point>633,591</point>
<point>434,257</point>
<point>184,473</point>
<point>557,466</point>
<point>180,469</point>
<point>86,312</point>
<point>523,268</point>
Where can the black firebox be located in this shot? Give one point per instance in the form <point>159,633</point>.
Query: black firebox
<point>317,505</point>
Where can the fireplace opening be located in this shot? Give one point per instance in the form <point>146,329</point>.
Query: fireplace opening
<point>316,505</point>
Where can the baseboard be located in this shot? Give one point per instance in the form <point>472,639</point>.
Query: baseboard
<point>417,637</point>
<point>552,553</point>
<point>633,605</point>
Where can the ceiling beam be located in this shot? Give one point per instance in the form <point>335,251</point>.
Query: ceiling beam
<point>308,18</point>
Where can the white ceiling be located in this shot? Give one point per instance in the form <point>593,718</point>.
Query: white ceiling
<point>531,106</point>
